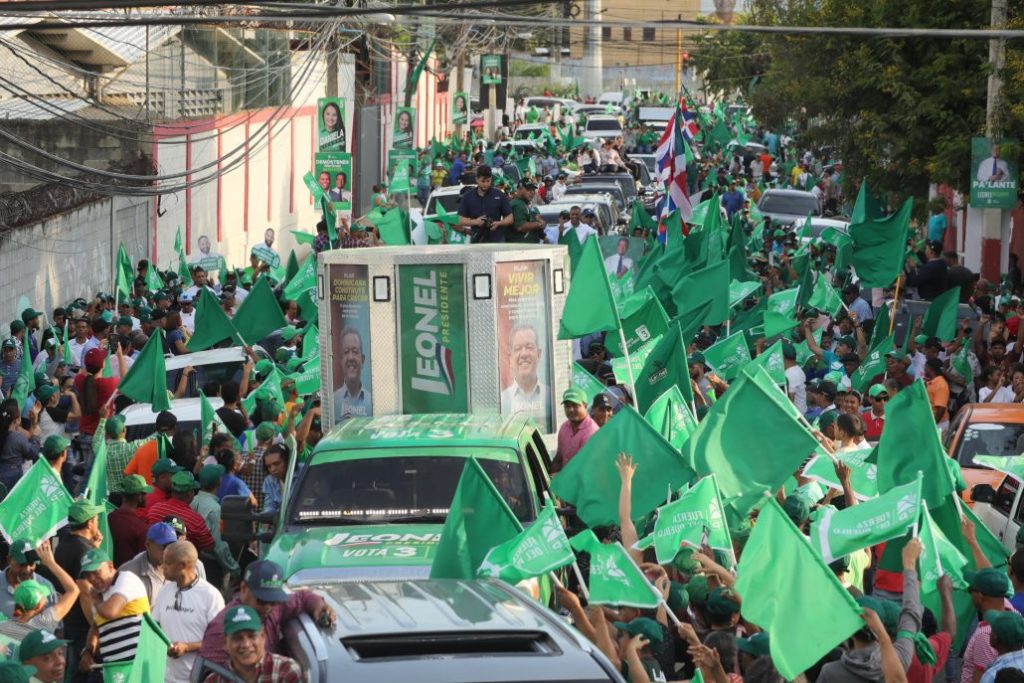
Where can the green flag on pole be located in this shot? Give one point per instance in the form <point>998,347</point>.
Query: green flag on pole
<point>414,75</point>
<point>777,574</point>
<point>642,319</point>
<point>824,297</point>
<point>636,361</point>
<point>96,492</point>
<point>865,207</point>
<point>393,227</point>
<point>939,556</point>
<point>670,415</point>
<point>212,324</point>
<point>589,306</point>
<point>863,474</point>
<point>124,275</point>
<point>307,380</point>
<point>259,314</point>
<point>614,577</point>
<point>773,362</point>
<point>708,284</point>
<point>36,507</point>
<point>66,347</point>
<point>304,279</point>
<point>590,385</point>
<point>1007,464</point>
<point>665,366</point>
<point>591,482</point>
<point>872,365</point>
<point>728,356</point>
<point>183,272</point>
<point>739,291</point>
<point>836,533</point>
<point>695,520</point>
<point>879,247</point>
<point>478,520</point>
<point>210,421</point>
<point>154,283</point>
<point>146,381</point>
<point>150,661</point>
<point>940,318</point>
<point>25,383</point>
<point>540,548</point>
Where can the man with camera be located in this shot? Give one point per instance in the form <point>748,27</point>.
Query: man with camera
<point>484,213</point>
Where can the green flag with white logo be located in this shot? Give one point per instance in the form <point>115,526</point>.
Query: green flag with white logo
<point>728,356</point>
<point>307,380</point>
<point>938,556</point>
<point>637,358</point>
<point>824,297</point>
<point>1007,464</point>
<point>772,361</point>
<point>863,474</point>
<point>666,366</point>
<point>590,385</point>
<point>540,548</point>
<point>614,577</point>
<point>36,507</point>
<point>642,318</point>
<point>872,366</point>
<point>739,291</point>
<point>837,533</point>
<point>695,520</point>
<point>671,416</point>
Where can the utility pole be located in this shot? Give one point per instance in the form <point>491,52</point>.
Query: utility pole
<point>679,54</point>
<point>992,218</point>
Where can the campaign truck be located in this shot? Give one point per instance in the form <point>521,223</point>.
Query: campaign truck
<point>444,329</point>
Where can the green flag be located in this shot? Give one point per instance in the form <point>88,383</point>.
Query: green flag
<point>728,445</point>
<point>270,389</point>
<point>310,342</point>
<point>866,207</point>
<point>728,356</point>
<point>639,218</point>
<point>569,240</point>
<point>709,284</point>
<point>478,520</point>
<point>25,383</point>
<point>66,347</point>
<point>614,577</point>
<point>589,306</point>
<point>773,362</point>
<point>636,361</point>
<point>909,420</point>
<point>666,366</point>
<point>872,365</point>
<point>154,283</point>
<point>961,364</point>
<point>621,287</point>
<point>824,297</point>
<point>124,275</point>
<point>671,416</point>
<point>940,318</point>
<point>695,520</point>
<point>259,314</point>
<point>96,492</point>
<point>879,247</point>
<point>642,319</point>
<point>146,381</point>
<point>307,380</point>
<point>540,548</point>
<point>212,324</point>
<point>303,237</point>
<point>591,483</point>
<point>36,507</point>
<point>938,556</point>
<point>414,75</point>
<point>838,533</point>
<point>1007,464</point>
<point>777,574</point>
<point>150,661</point>
<point>393,227</point>
<point>304,279</point>
<point>590,385</point>
<point>184,274</point>
<point>739,291</point>
<point>863,474</point>
<point>784,302</point>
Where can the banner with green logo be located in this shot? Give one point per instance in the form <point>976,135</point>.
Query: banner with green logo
<point>460,108</point>
<point>334,178</point>
<point>432,339</point>
<point>404,128</point>
<point>993,176</point>
<point>331,124</point>
<point>36,507</point>
<point>490,69</point>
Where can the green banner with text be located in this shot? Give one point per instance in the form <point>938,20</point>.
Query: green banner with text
<point>432,339</point>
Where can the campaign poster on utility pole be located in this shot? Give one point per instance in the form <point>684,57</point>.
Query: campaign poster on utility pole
<point>334,176</point>
<point>994,174</point>
<point>490,69</point>
<point>460,108</point>
<point>331,124</point>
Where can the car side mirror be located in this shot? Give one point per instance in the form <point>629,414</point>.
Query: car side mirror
<point>239,520</point>
<point>983,493</point>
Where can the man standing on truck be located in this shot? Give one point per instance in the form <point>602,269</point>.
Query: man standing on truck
<point>484,213</point>
<point>352,399</point>
<point>526,394</point>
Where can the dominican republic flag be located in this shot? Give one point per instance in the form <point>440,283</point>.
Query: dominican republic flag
<point>671,158</point>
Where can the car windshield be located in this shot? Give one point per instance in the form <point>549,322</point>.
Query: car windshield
<point>450,202</point>
<point>135,432</point>
<point>603,124</point>
<point>989,438</point>
<point>625,183</point>
<point>614,190</point>
<point>397,488</point>
<point>798,205</point>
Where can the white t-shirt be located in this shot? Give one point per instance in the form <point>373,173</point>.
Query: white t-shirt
<point>1003,395</point>
<point>184,615</point>
<point>795,385</point>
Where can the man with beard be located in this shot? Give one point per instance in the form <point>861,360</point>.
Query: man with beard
<point>526,394</point>
<point>352,399</point>
<point>576,430</point>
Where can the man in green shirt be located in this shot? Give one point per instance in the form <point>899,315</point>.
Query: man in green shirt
<point>527,226</point>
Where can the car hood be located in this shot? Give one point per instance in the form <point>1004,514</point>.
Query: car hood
<point>384,545</point>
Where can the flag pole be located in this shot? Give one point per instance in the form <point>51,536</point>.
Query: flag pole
<point>629,363</point>
<point>895,303</point>
<point>579,577</point>
<point>661,598</point>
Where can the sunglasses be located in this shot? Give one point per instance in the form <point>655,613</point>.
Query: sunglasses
<point>882,398</point>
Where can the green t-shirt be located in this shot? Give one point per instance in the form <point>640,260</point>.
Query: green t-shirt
<point>520,215</point>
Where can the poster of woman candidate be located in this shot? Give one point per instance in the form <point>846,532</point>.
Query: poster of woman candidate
<point>460,108</point>
<point>331,124</point>
<point>405,125</point>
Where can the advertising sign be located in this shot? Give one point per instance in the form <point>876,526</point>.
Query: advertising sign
<point>490,69</point>
<point>460,108</point>
<point>405,127</point>
<point>350,340</point>
<point>432,339</point>
<point>333,172</point>
<point>330,124</point>
<point>993,177</point>
<point>524,357</point>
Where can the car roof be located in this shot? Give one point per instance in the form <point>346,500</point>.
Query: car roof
<point>449,189</point>
<point>232,354</point>
<point>436,429</point>
<point>185,409</point>
<point>997,413</point>
<point>787,193</point>
<point>532,126</point>
<point>602,117</point>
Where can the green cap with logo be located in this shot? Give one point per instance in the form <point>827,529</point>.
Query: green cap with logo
<point>722,602</point>
<point>183,481</point>
<point>756,645</point>
<point>29,593</point>
<point>39,643</point>
<point>135,483</point>
<point>642,626</point>
<point>93,560</point>
<point>241,618</point>
<point>81,511</point>
<point>164,466</point>
<point>877,390</point>
<point>23,551</point>
<point>574,395</point>
<point>45,393</point>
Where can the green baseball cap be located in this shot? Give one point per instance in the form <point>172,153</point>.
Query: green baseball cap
<point>125,320</point>
<point>29,314</point>
<point>210,475</point>
<point>289,332</point>
<point>698,589</point>
<point>40,379</point>
<point>756,645</point>
<point>834,377</point>
<point>241,618</point>
<point>848,340</point>
<point>642,626</point>
<point>264,367</point>
<point>10,672</point>
<point>888,612</point>
<point>293,363</point>
<point>1007,627</point>
<point>39,643</point>
<point>29,593</point>
<point>23,552</point>
<point>722,602</point>
<point>164,466</point>
<point>54,445</point>
<point>282,355</point>
<point>183,481</point>
<point>266,431</point>
<point>574,395</point>
<point>678,597</point>
<point>114,426</point>
<point>696,358</point>
<point>877,390</point>
<point>81,511</point>
<point>827,418</point>
<point>989,582</point>
<point>45,393</point>
<point>920,339</point>
<point>896,354</point>
<point>93,560</point>
<point>797,509</point>
<point>135,483</point>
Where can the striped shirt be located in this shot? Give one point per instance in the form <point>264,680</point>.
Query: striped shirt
<point>118,455</point>
<point>253,474</point>
<point>273,669</point>
<point>119,636</point>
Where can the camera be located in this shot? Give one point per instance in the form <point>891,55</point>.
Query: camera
<point>487,222</point>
